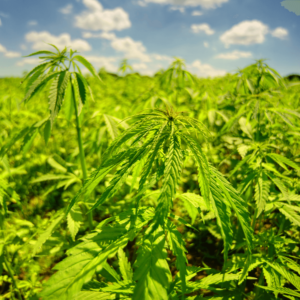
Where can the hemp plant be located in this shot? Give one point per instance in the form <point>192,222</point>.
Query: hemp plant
<point>63,85</point>
<point>156,145</point>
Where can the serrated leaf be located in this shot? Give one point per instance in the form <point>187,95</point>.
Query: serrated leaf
<point>111,126</point>
<point>74,220</point>
<point>125,267</point>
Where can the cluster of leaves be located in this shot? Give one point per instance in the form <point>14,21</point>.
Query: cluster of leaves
<point>154,189</point>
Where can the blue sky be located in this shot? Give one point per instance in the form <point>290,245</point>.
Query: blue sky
<point>213,36</point>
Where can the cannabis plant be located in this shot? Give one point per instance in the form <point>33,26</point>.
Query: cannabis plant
<point>159,141</point>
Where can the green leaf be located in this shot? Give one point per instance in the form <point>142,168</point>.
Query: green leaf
<point>125,267</point>
<point>152,272</point>
<point>176,243</point>
<point>80,92</point>
<point>69,102</point>
<point>47,131</point>
<point>74,220</point>
<point>290,212</point>
<point>281,290</point>
<point>45,235</point>
<point>111,126</point>
<point>281,159</point>
<point>83,61</point>
<point>262,189</point>
<point>57,92</point>
<point>39,53</point>
<point>173,166</point>
<point>203,169</point>
<point>38,84</point>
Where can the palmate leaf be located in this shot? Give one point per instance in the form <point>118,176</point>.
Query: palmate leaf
<point>281,290</point>
<point>152,272</point>
<point>57,92</point>
<point>288,275</point>
<point>38,84</point>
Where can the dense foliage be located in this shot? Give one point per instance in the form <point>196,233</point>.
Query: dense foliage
<point>134,187</point>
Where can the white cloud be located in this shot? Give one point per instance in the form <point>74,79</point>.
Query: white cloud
<point>180,8</point>
<point>131,49</point>
<point>206,45</point>
<point>39,41</point>
<point>23,47</point>
<point>0,22</point>
<point>245,33</point>
<point>280,33</point>
<point>28,61</point>
<point>142,3</point>
<point>204,70</point>
<point>66,10</point>
<point>162,57</point>
<point>2,48</point>
<point>97,18</point>
<point>234,55</point>
<point>207,4</point>
<point>32,23</point>
<point>101,61</point>
<point>202,27</point>
<point>9,54</point>
<point>197,13</point>
<point>12,54</point>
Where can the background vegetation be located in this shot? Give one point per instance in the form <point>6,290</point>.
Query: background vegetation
<point>253,122</point>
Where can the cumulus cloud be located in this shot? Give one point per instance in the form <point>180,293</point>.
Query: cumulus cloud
<point>39,41</point>
<point>197,13</point>
<point>109,63</point>
<point>66,10</point>
<point>207,4</point>
<point>2,48</point>
<point>97,18</point>
<point>245,33</point>
<point>9,54</point>
<point>32,23</point>
<point>206,45</point>
<point>280,33</point>
<point>202,27</point>
<point>0,22</point>
<point>234,55</point>
<point>23,47</point>
<point>162,57</point>
<point>28,61</point>
<point>131,49</point>
<point>204,70</point>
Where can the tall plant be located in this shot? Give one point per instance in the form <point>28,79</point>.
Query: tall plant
<point>158,141</point>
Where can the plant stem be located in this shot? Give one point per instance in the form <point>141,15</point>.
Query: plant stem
<point>11,274</point>
<point>81,152</point>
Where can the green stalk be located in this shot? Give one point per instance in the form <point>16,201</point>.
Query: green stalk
<point>11,274</point>
<point>81,152</point>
